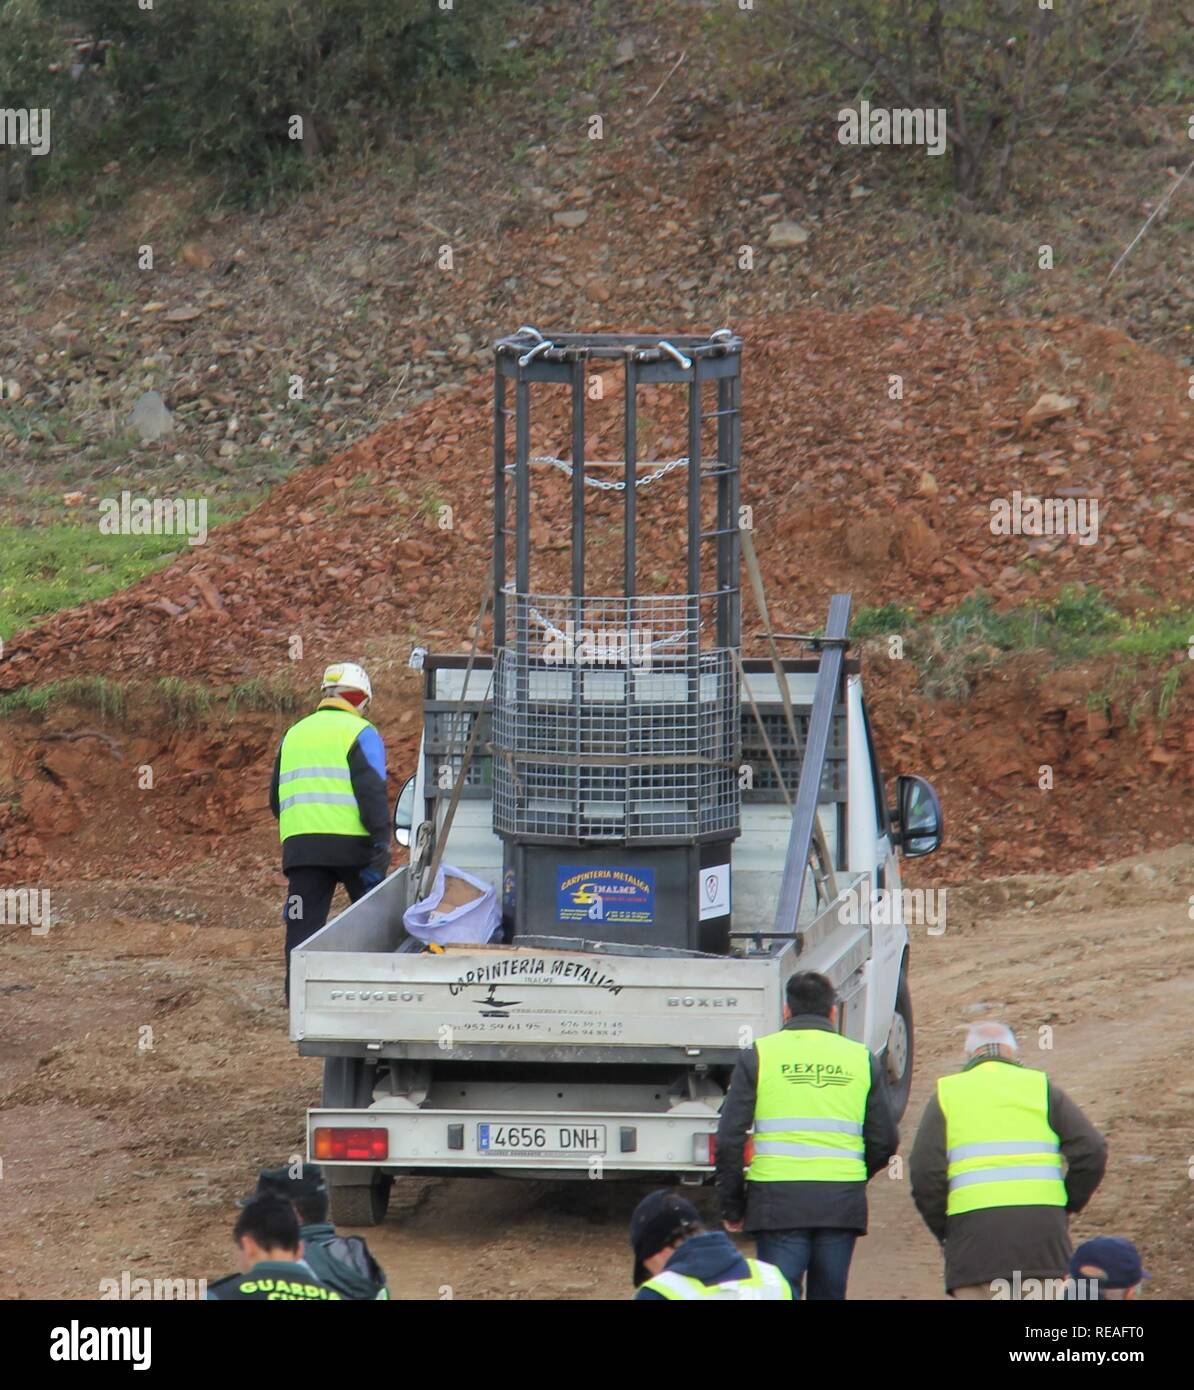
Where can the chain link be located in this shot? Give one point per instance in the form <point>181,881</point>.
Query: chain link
<point>549,627</point>
<point>604,484</point>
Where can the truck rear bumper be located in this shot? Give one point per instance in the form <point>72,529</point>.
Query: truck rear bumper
<point>493,1140</point>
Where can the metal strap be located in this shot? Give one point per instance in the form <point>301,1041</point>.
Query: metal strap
<point>822,862</point>
<point>429,876</point>
<point>806,824</point>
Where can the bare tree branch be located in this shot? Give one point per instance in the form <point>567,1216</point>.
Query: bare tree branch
<point>1156,212</point>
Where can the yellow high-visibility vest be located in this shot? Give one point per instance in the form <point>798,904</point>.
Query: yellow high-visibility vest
<point>765,1282</point>
<point>1000,1148</point>
<point>809,1107</point>
<point>315,795</point>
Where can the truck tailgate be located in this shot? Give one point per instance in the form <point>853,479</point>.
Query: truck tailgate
<point>516,998</point>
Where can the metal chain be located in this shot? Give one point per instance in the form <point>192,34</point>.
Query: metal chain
<point>604,484</point>
<point>549,627</point>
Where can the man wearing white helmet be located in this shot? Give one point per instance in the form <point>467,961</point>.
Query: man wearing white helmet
<point>329,797</point>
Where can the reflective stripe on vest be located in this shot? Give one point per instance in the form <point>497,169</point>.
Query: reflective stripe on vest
<point>1000,1148</point>
<point>809,1108</point>
<point>315,795</point>
<point>764,1282</point>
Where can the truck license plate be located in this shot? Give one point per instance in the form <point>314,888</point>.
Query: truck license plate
<point>540,1141</point>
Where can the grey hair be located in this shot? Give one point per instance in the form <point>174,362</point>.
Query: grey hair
<point>990,1034</point>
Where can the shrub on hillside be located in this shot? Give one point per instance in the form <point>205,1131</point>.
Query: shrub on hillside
<point>252,88</point>
<point>1002,70</point>
<point>27,43</point>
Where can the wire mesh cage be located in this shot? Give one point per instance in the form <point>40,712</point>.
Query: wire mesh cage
<point>761,785</point>
<point>447,729</point>
<point>610,723</point>
<point>616,718</point>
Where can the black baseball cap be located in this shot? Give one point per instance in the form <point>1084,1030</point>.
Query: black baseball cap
<point>1115,1256</point>
<point>656,1222</point>
<point>305,1181</point>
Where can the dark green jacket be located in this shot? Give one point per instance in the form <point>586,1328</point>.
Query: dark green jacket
<point>343,1263</point>
<point>993,1242</point>
<point>273,1279</point>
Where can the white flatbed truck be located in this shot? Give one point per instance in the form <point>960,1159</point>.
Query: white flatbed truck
<point>588,1042</point>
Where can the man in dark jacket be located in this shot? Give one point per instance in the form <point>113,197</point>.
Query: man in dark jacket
<point>676,1258</point>
<point>341,1262</point>
<point>328,794</point>
<point>823,1126</point>
<point>267,1238</point>
<point>987,1170</point>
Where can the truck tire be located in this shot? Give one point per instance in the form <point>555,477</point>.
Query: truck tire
<point>347,1083</point>
<point>362,1205</point>
<point>897,1055</point>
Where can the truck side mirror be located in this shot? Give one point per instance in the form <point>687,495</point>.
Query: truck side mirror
<point>918,815</point>
<point>404,812</point>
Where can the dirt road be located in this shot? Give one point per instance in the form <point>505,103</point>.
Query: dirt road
<point>145,1075</point>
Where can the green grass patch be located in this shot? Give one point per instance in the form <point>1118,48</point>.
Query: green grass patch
<point>1156,636</point>
<point>185,703</point>
<point>882,621</point>
<point>1167,692</point>
<point>1080,624</point>
<point>270,695</point>
<point>61,563</point>
<point>97,693</point>
<point>1073,625</point>
<point>59,566</point>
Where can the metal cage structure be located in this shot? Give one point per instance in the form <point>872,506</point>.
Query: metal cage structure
<point>616,717</point>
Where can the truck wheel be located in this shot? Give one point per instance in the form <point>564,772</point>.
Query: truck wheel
<point>897,1055</point>
<point>363,1205</point>
<point>347,1083</point>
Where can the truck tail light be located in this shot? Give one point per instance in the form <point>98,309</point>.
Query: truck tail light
<point>354,1144</point>
<point>704,1149</point>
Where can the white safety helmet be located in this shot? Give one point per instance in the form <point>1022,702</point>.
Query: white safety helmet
<point>344,675</point>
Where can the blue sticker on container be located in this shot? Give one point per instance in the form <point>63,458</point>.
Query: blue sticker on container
<point>621,897</point>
